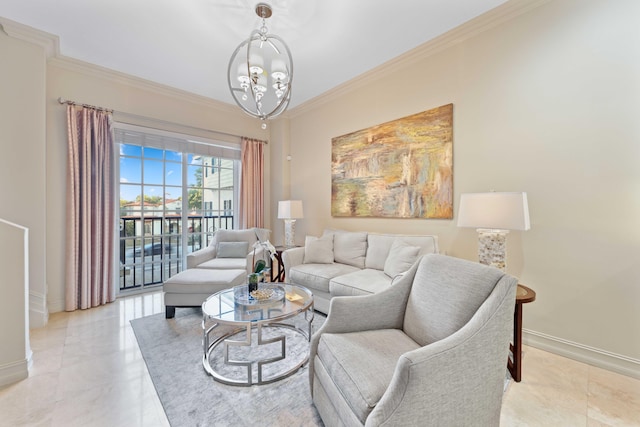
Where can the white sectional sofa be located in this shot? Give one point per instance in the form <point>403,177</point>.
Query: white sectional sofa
<point>345,263</point>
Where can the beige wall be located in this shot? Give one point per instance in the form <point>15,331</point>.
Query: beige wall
<point>22,162</point>
<point>547,103</point>
<point>145,104</point>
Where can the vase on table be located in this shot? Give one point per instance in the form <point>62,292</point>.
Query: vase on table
<point>252,281</point>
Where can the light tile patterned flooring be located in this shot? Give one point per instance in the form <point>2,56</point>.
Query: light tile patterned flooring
<point>88,371</point>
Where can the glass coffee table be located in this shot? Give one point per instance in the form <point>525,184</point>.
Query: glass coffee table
<point>249,327</point>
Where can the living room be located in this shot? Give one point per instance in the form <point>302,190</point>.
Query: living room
<point>545,97</point>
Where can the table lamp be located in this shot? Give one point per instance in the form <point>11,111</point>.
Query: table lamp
<point>493,215</point>
<point>290,210</point>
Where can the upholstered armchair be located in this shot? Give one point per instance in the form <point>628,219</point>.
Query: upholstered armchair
<point>231,249</point>
<point>430,350</point>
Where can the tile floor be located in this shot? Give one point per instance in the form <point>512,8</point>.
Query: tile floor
<point>88,371</point>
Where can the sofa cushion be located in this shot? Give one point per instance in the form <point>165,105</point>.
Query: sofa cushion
<point>225,264</point>
<point>248,235</point>
<point>198,281</point>
<point>344,355</point>
<point>378,247</point>
<point>361,282</point>
<point>350,248</point>
<point>317,276</point>
<point>401,258</point>
<point>318,250</point>
<point>232,249</point>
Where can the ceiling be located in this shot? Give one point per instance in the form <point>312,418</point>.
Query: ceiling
<point>186,44</point>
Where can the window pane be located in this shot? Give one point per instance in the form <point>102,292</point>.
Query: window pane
<point>210,178</point>
<point>130,199</point>
<point>173,199</point>
<point>128,229</point>
<point>210,201</point>
<point>194,159</point>
<point>194,176</point>
<point>209,224</point>
<point>226,163</point>
<point>130,170</point>
<point>226,178</point>
<point>130,150</point>
<point>152,153</point>
<point>153,172</point>
<point>153,198</point>
<point>173,174</point>
<point>208,161</point>
<point>173,223</point>
<point>173,156</point>
<point>195,200</point>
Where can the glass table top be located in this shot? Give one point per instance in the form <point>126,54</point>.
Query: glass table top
<point>231,305</point>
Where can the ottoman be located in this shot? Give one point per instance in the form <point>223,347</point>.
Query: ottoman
<point>191,287</point>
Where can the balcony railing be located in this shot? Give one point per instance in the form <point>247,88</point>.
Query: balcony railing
<point>151,248</point>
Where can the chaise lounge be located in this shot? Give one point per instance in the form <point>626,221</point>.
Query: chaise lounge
<point>223,264</point>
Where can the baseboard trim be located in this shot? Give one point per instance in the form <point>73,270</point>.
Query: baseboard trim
<point>14,372</point>
<point>56,306</point>
<point>38,312</point>
<point>583,353</point>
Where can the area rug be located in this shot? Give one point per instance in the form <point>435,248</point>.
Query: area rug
<point>172,350</point>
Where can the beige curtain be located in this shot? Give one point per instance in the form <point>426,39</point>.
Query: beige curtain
<point>90,209</point>
<point>252,184</point>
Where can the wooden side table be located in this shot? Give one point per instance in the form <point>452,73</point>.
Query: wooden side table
<point>278,276</point>
<point>523,296</point>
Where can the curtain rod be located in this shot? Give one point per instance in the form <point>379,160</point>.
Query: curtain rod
<point>61,100</point>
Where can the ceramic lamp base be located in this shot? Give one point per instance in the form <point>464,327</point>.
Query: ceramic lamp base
<point>492,248</point>
<point>289,233</point>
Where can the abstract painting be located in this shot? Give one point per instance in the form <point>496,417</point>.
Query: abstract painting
<point>398,169</point>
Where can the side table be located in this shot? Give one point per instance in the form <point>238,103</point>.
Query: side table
<point>523,296</point>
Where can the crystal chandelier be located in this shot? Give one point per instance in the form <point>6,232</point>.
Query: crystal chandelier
<point>260,72</point>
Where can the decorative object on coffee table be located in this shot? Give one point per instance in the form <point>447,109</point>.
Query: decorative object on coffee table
<point>252,281</point>
<point>493,215</point>
<point>277,275</point>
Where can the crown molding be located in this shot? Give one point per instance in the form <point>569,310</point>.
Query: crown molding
<point>51,45</point>
<point>466,31</point>
<point>86,68</point>
<point>49,42</point>
<point>480,24</point>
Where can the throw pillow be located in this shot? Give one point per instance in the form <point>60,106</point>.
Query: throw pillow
<point>232,250</point>
<point>350,248</point>
<point>318,250</point>
<point>401,258</point>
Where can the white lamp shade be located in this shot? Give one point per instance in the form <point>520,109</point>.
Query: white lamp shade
<point>290,209</point>
<point>498,211</point>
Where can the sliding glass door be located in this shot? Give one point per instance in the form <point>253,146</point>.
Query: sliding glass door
<point>174,194</point>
